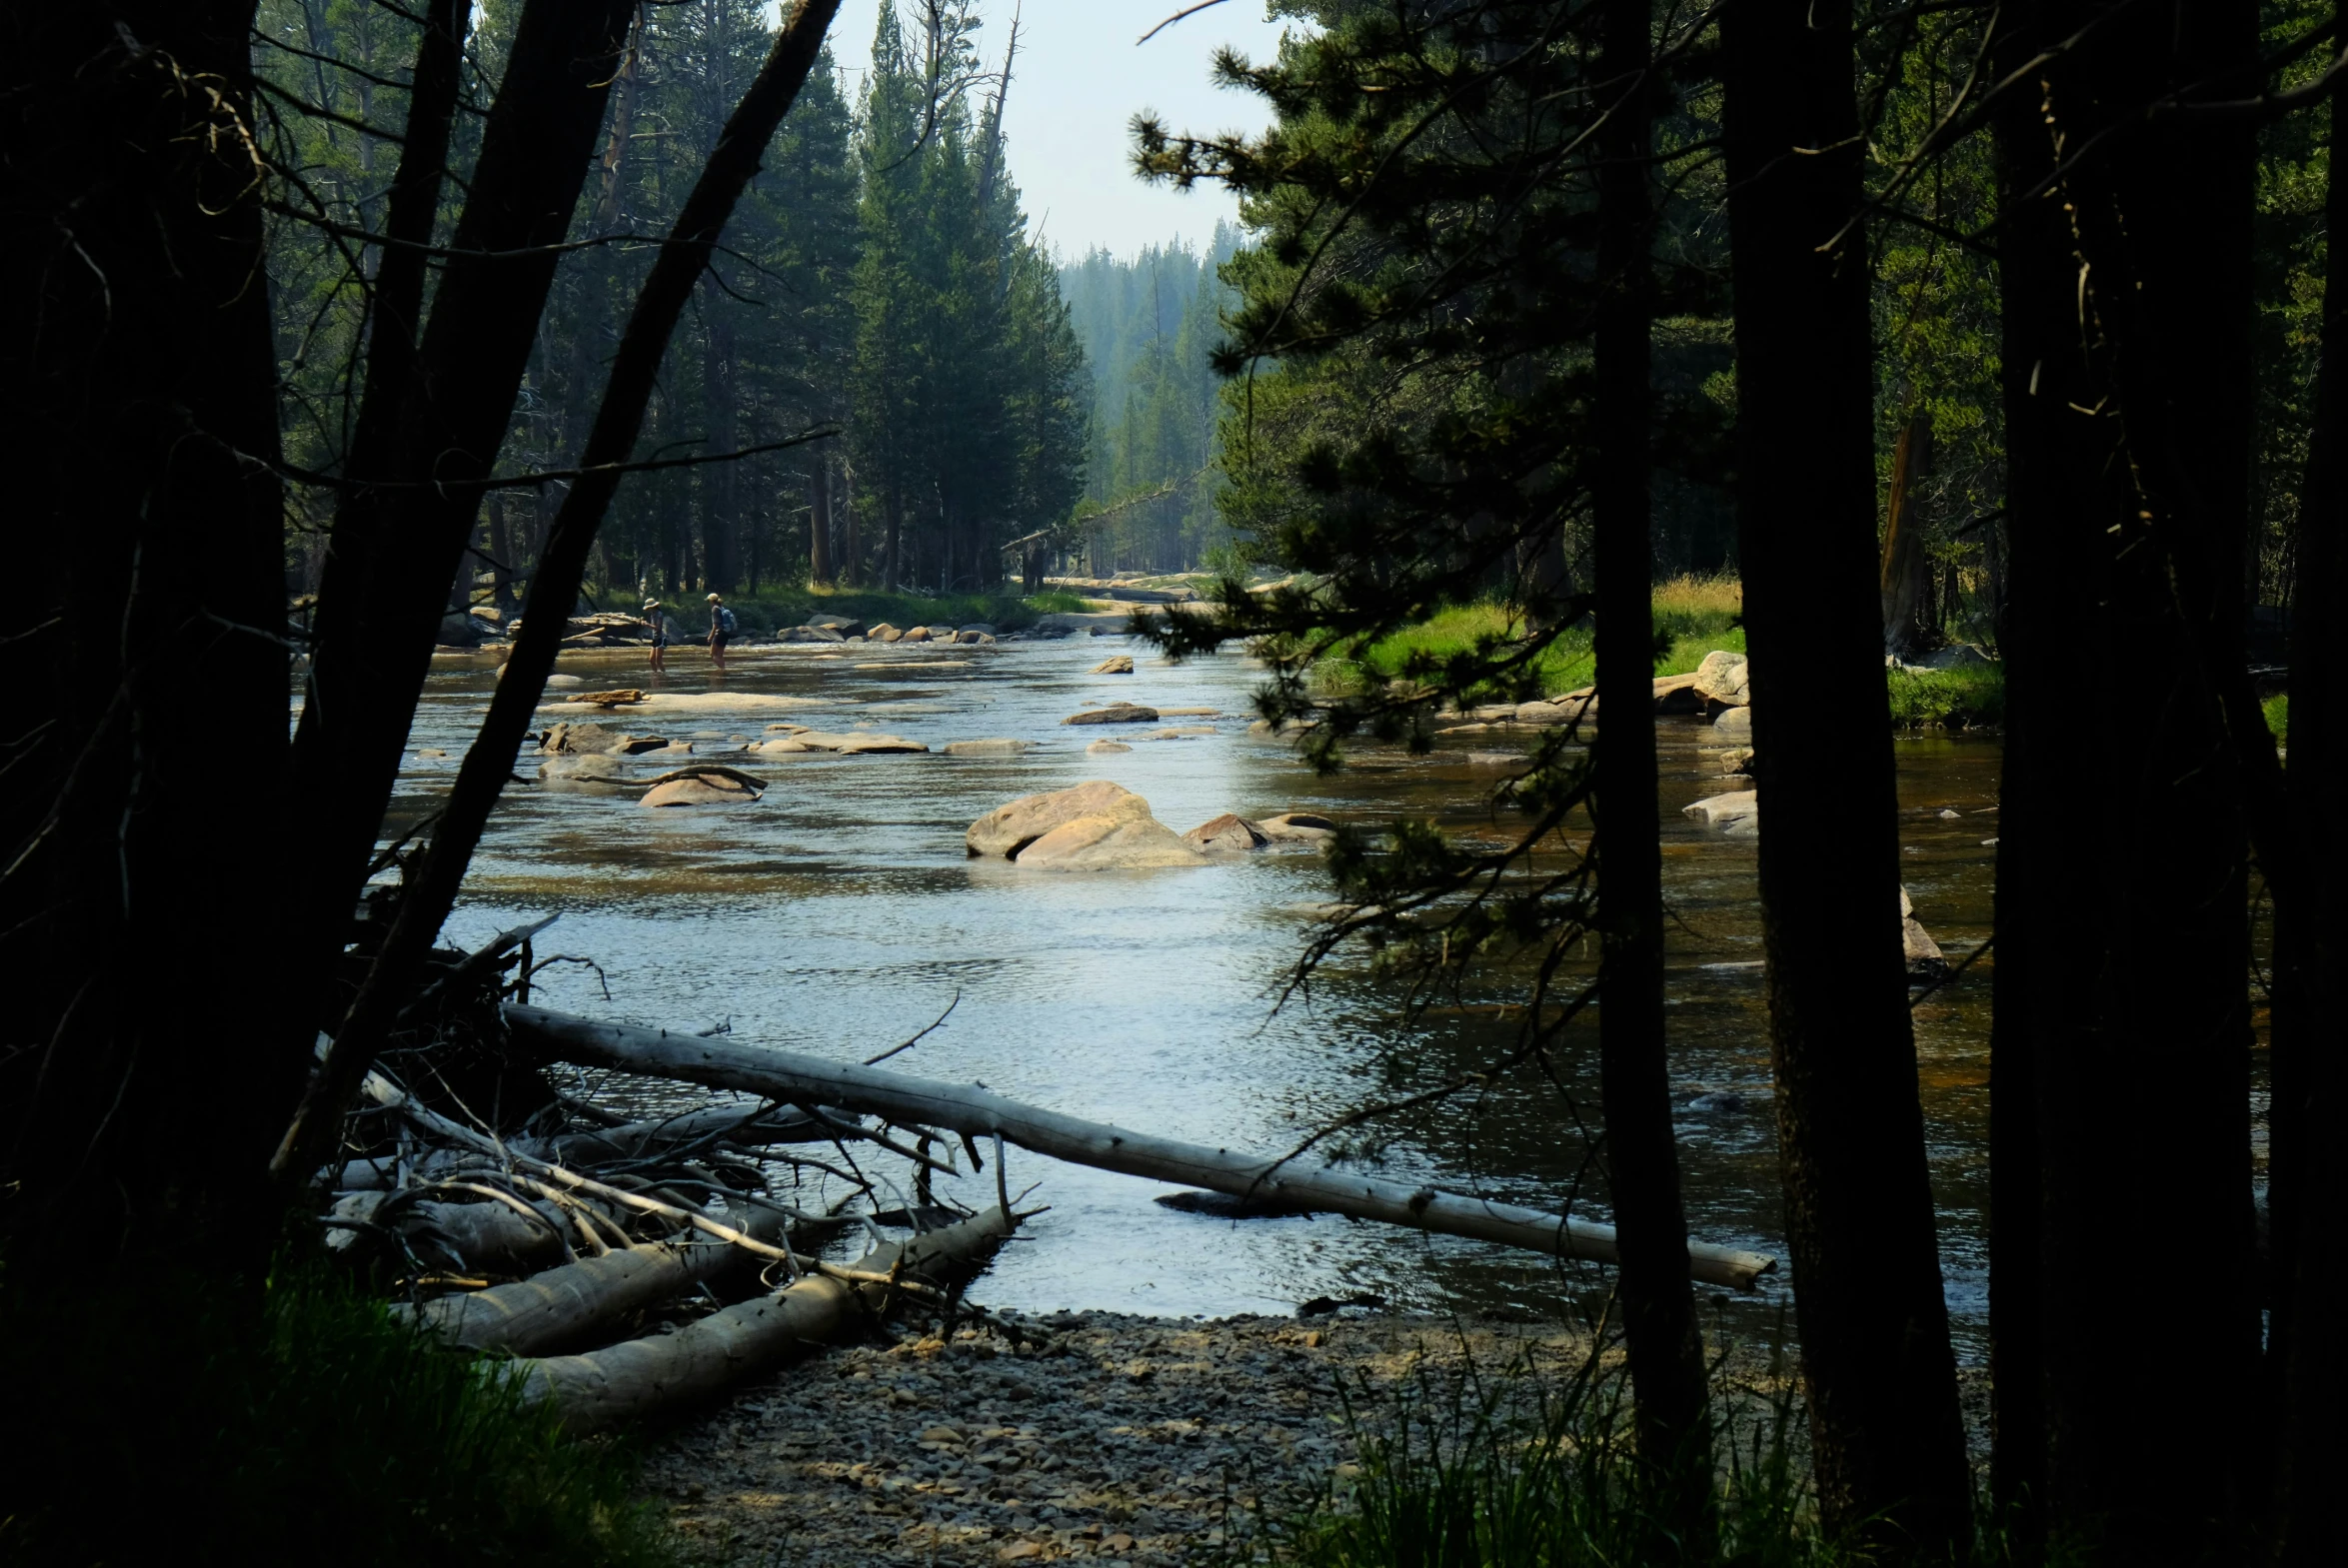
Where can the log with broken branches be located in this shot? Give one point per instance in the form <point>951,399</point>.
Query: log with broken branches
<point>975,1111</point>
<point>643,1377</point>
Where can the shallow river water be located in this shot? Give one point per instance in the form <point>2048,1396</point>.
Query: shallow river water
<point>838,914</point>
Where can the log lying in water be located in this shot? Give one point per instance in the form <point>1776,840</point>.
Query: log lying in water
<point>626,1381</point>
<point>973,1112</point>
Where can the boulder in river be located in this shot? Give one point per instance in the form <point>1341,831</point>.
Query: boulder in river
<point>786,745</point>
<point>1294,827</point>
<point>707,785</point>
<point>459,632</point>
<point>1924,959</point>
<point>1104,747</point>
<point>1734,726</point>
<point>1011,827</point>
<point>580,738</point>
<point>845,625</point>
<point>916,635</point>
<point>1115,665</point>
<point>1226,835</point>
<point>858,743</point>
<point>1723,678</point>
<point>995,746</point>
<point>808,633</point>
<point>1124,839</point>
<point>581,767</point>
<point>885,633</point>
<point>1114,714</point>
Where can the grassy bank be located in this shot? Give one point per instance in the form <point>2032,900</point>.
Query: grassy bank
<point>291,1421</point>
<point>1693,616</point>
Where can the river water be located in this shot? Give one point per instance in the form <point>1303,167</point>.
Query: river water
<point>838,914</point>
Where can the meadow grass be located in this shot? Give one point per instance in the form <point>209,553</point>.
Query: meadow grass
<point>1692,617</point>
<point>2278,715</point>
<point>192,1418</point>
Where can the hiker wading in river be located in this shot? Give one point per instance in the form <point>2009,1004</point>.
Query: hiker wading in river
<point>722,625</point>
<point>656,618</point>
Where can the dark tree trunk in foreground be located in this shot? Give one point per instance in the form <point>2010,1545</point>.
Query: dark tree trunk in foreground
<point>421,450</point>
<point>1888,1443</point>
<point>618,420</point>
<point>2308,1059</point>
<point>1659,1304</point>
<point>140,857</point>
<point>2121,1043</point>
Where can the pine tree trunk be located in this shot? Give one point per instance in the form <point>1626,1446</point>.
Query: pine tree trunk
<point>1880,1379</point>
<point>2122,1031</point>
<point>1659,1306</point>
<point>819,522</point>
<point>720,525</point>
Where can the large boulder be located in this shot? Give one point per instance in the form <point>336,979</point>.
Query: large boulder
<point>1735,727</point>
<point>1114,840</point>
<point>1721,678</point>
<point>1115,665</point>
<point>1226,834</point>
<point>581,767</point>
<point>1011,827</point>
<point>845,625</point>
<point>995,747</point>
<point>916,635</point>
<point>698,791</point>
<point>884,632</point>
<point>580,737</point>
<point>1114,714</point>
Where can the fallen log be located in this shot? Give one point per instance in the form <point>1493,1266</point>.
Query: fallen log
<point>626,1381</point>
<point>975,1113</point>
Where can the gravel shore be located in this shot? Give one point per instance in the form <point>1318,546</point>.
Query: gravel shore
<point>1083,1436</point>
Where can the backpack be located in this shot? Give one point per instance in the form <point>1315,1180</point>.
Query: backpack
<point>726,621</point>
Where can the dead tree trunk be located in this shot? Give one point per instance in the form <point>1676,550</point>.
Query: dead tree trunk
<point>954,1107</point>
<point>488,762</point>
<point>1658,1307</point>
<point>1881,1378</point>
<point>423,443</point>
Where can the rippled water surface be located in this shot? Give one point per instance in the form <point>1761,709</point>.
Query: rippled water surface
<point>838,914</point>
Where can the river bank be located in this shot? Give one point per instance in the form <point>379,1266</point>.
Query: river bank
<point>1071,1436</point>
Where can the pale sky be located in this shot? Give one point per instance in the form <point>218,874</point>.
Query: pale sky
<point>1078,82</point>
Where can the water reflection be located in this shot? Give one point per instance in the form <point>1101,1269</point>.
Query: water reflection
<point>838,914</point>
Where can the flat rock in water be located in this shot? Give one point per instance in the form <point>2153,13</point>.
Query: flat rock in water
<point>1739,811</point>
<point>1115,665</point>
<point>1677,695</point>
<point>1494,758</point>
<point>580,737</point>
<point>1734,724</point>
<point>989,748</point>
<point>857,743</point>
<point>1114,840</point>
<point>581,766</point>
<point>1226,835</point>
<point>1190,712</point>
<point>698,790</point>
<point>1104,747</point>
<point>1191,734</point>
<point>786,745</point>
<point>1011,827</point>
<point>1294,827</point>
<point>1114,714</point>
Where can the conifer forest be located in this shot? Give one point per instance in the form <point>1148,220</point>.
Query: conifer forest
<point>808,783</point>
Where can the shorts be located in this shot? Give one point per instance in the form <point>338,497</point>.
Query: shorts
<point>660,642</point>
<point>717,640</point>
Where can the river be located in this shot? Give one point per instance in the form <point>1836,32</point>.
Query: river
<point>838,914</point>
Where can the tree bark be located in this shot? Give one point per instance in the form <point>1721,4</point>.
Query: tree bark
<point>1878,1372</point>
<point>819,522</point>
<point>2128,285</point>
<point>1658,1308</point>
<point>720,527</point>
<point>954,1107</point>
<point>489,760</point>
<point>138,386</point>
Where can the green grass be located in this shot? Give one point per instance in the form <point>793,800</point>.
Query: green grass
<point>2278,715</point>
<point>1692,617</point>
<point>288,1422</point>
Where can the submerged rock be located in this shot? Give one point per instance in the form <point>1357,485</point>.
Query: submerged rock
<point>857,743</point>
<point>1294,827</point>
<point>1104,747</point>
<point>581,766</point>
<point>1738,813</point>
<point>1119,840</point>
<point>998,747</point>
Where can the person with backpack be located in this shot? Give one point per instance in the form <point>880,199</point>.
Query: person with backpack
<point>722,627</point>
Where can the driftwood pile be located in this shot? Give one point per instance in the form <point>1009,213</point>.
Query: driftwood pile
<point>632,1263</point>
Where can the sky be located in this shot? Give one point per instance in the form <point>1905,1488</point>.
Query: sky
<point>1078,82</point>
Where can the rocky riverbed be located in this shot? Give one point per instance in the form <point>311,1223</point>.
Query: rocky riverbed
<point>1077,1435</point>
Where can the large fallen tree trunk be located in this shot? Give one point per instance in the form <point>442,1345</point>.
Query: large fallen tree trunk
<point>965,1108</point>
<point>626,1381</point>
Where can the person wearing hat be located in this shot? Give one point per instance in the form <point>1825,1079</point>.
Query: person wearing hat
<point>658,618</point>
<point>722,626</point>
